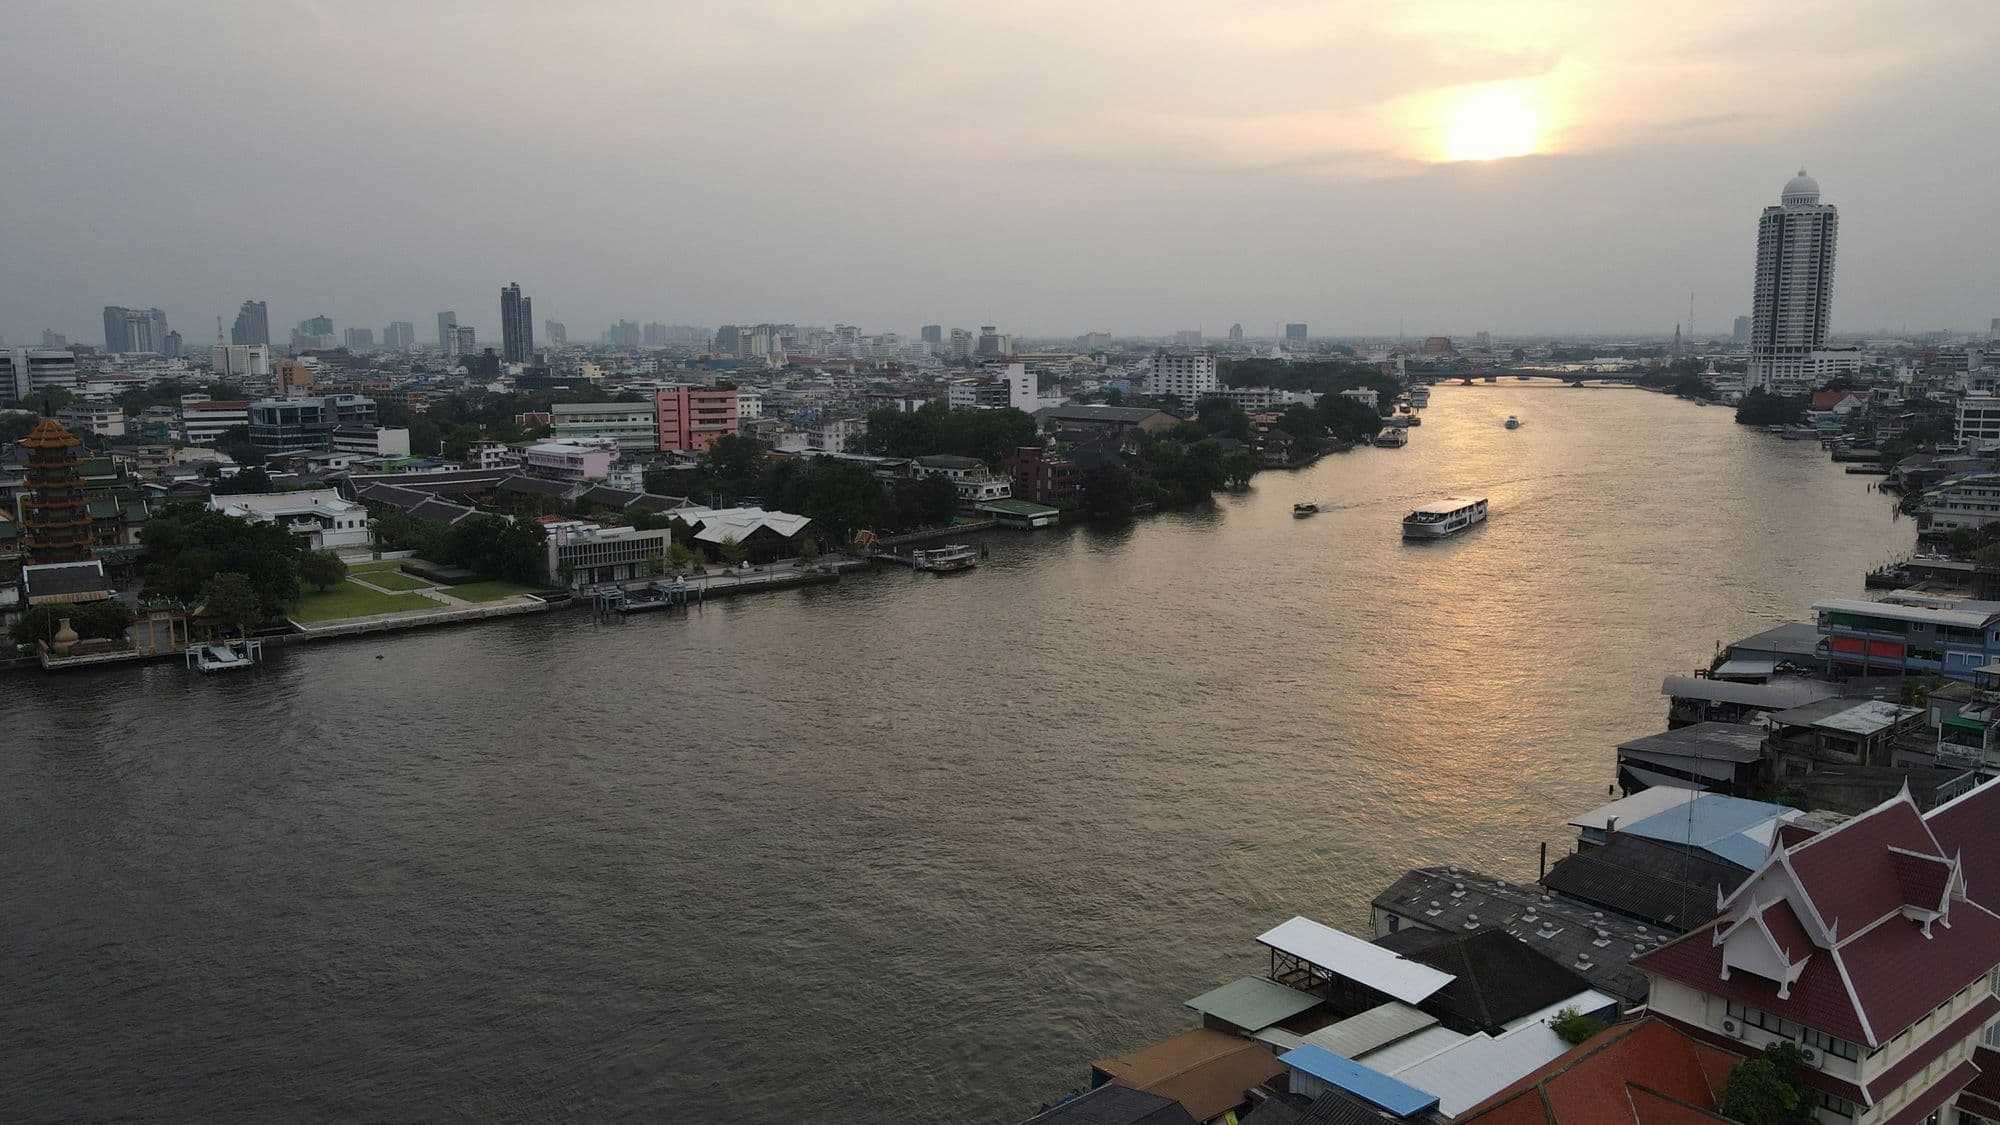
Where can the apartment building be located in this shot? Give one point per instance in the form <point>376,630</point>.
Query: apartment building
<point>694,418</point>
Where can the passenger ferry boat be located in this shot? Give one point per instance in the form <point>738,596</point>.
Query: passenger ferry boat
<point>1444,517</point>
<point>945,559</point>
<point>1420,397</point>
<point>1392,437</point>
<point>1301,511</point>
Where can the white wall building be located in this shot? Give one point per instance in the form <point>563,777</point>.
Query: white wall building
<point>1366,396</point>
<point>105,421</point>
<point>1978,421</point>
<point>203,422</point>
<point>1793,296</point>
<point>231,361</point>
<point>1189,377</point>
<point>319,515</point>
<point>372,441</point>
<point>491,455</point>
<point>749,404</point>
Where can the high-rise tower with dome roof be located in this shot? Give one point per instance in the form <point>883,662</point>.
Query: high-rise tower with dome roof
<point>1794,293</point>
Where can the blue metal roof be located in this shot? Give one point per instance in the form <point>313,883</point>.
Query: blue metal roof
<point>1714,823</point>
<point>1375,1088</point>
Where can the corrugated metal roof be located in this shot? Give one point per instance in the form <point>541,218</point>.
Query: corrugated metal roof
<point>1371,1030</point>
<point>1345,955</point>
<point>1465,1075</point>
<point>1972,618</point>
<point>1398,1098</point>
<point>1778,695</point>
<point>1403,1052</point>
<point>1252,1003</point>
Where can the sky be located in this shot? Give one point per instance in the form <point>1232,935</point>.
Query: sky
<point>1047,167</point>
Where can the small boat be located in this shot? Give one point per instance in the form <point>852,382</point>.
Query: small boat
<point>1420,397</point>
<point>1392,437</point>
<point>1513,423</point>
<point>945,559</point>
<point>1301,511</point>
<point>1444,517</point>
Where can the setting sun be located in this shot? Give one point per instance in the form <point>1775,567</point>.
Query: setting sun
<point>1492,122</point>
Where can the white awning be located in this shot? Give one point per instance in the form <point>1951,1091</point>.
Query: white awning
<point>1344,955</point>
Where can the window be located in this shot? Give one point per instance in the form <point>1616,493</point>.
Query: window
<point>1839,1107</point>
<point>1831,1045</point>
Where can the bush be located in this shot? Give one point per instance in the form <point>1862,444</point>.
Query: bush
<point>90,620</point>
<point>1573,1027</point>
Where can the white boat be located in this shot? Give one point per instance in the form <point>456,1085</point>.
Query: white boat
<point>1392,437</point>
<point>1444,517</point>
<point>945,559</point>
<point>1513,423</point>
<point>1420,397</point>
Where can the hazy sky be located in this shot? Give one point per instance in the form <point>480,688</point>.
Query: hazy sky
<point>1046,166</point>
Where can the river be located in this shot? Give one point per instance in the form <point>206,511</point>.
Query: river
<point>906,847</point>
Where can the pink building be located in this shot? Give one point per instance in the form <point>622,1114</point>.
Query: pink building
<point>570,460</point>
<point>694,418</point>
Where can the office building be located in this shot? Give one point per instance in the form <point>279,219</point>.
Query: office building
<point>993,342</point>
<point>462,341</point>
<point>1189,377</point>
<point>517,325</point>
<point>399,336</point>
<point>239,361</point>
<point>693,418</point>
<point>447,323</point>
<point>360,339</point>
<point>1187,338</point>
<point>205,420</point>
<point>134,331</point>
<point>315,333</point>
<point>26,372</point>
<point>90,417</point>
<point>171,348</point>
<point>1235,333</point>
<point>633,425</point>
<point>556,331</point>
<point>1741,333</point>
<point>1295,335</point>
<point>253,325</point>
<point>1793,294</point>
<point>307,424</point>
<point>934,333</point>
<point>54,339</point>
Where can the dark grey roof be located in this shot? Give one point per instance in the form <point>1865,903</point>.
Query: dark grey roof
<point>1796,639</point>
<point>950,461</point>
<point>442,511</point>
<point>651,503</point>
<point>47,580</point>
<point>1497,977</point>
<point>610,497</point>
<point>1332,1107</point>
<point>1447,898</point>
<point>1646,880</point>
<point>1122,415</point>
<point>535,484</point>
<point>394,496</point>
<point>1727,742</point>
<point>1114,1105</point>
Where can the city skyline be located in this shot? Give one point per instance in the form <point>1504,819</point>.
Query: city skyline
<point>1509,168</point>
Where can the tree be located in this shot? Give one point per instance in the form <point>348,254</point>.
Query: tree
<point>1573,1027</point>
<point>1106,494</point>
<point>249,481</point>
<point>232,599</point>
<point>1761,408</point>
<point>731,551</point>
<point>656,564</point>
<point>1220,417</point>
<point>681,556</point>
<point>187,544</point>
<point>807,549</point>
<point>1237,469</point>
<point>106,619</point>
<point>1769,1090</point>
<point>322,570</point>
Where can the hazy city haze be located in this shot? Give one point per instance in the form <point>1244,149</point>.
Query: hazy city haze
<point>1048,167</point>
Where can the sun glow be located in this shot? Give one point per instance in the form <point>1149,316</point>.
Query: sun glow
<point>1492,122</point>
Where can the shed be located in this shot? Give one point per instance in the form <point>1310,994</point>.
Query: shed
<point>1316,1067</point>
<point>1305,950</point>
<point>1207,1072</point>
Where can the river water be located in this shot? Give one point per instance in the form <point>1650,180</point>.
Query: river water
<point>908,847</point>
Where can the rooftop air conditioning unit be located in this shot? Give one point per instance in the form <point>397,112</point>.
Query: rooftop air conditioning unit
<point>1733,1028</point>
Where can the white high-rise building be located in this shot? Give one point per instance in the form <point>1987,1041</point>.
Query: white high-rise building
<point>1794,293</point>
<point>1189,377</point>
<point>236,360</point>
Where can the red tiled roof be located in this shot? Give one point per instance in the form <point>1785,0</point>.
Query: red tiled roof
<point>1961,1029</point>
<point>1927,1102</point>
<point>1792,832</point>
<point>1791,933</point>
<point>1923,877</point>
<point>1819,998</point>
<point>1825,400</point>
<point>1983,1096</point>
<point>1848,874</point>
<point>1964,828</point>
<point>1898,974</point>
<point>1646,1073</point>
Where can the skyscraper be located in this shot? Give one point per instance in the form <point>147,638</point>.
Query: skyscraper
<point>1236,333</point>
<point>134,330</point>
<point>53,339</point>
<point>517,325</point>
<point>1794,291</point>
<point>464,341</point>
<point>556,331</point>
<point>447,324</point>
<point>253,324</point>
<point>1295,335</point>
<point>933,334</point>
<point>400,336</point>
<point>1741,333</point>
<point>360,339</point>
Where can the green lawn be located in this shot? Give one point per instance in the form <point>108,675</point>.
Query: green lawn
<point>371,567</point>
<point>491,590</point>
<point>394,579</point>
<point>351,600</point>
